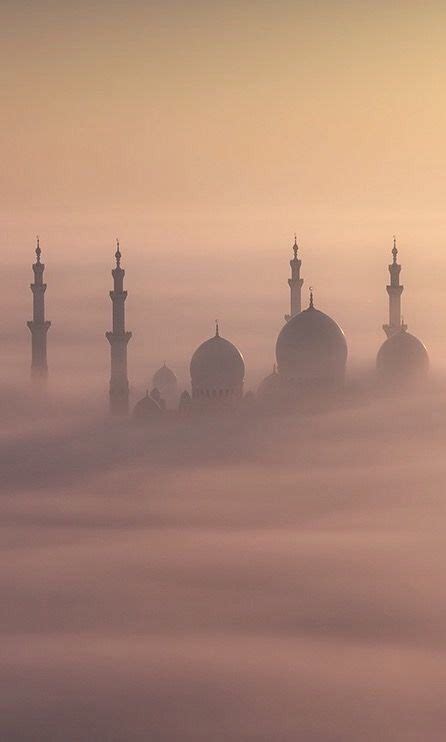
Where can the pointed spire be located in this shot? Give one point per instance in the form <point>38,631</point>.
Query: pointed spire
<point>295,282</point>
<point>394,290</point>
<point>118,339</point>
<point>38,326</point>
<point>295,246</point>
<point>394,250</point>
<point>217,331</point>
<point>38,250</point>
<point>311,306</point>
<point>118,254</point>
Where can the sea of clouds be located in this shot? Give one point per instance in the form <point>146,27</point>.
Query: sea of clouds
<point>251,578</point>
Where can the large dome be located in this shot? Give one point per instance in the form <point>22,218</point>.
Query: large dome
<point>312,349</point>
<point>402,357</point>
<point>217,368</point>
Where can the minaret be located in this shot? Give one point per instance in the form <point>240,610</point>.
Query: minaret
<point>295,283</point>
<point>394,291</point>
<point>38,325</point>
<point>118,339</point>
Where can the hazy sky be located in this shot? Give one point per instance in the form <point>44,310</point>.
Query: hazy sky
<point>239,579</point>
<point>204,134</point>
<point>309,110</point>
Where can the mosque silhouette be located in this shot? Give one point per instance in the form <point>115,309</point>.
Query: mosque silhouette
<point>311,355</point>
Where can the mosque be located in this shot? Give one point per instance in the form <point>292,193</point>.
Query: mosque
<point>311,355</point>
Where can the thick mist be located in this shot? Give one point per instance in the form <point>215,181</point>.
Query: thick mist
<point>242,578</point>
<point>254,578</point>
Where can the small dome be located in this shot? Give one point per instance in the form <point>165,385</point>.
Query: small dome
<point>156,395</point>
<point>147,409</point>
<point>270,384</point>
<point>164,377</point>
<point>217,365</point>
<point>402,357</point>
<point>185,398</point>
<point>311,348</point>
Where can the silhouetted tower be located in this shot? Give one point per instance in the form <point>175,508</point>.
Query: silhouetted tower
<point>118,339</point>
<point>394,291</point>
<point>295,283</point>
<point>38,325</point>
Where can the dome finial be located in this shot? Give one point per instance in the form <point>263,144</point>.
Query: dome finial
<point>217,331</point>
<point>38,250</point>
<point>394,250</point>
<point>311,298</point>
<point>118,254</point>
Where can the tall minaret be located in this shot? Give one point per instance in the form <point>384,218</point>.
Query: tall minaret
<point>394,290</point>
<point>38,325</point>
<point>118,339</point>
<point>295,283</point>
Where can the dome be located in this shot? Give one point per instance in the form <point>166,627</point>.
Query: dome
<point>156,396</point>
<point>185,398</point>
<point>217,368</point>
<point>147,409</point>
<point>164,377</point>
<point>311,348</point>
<point>270,384</point>
<point>402,357</point>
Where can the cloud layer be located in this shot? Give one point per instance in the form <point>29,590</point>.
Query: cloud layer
<point>229,580</point>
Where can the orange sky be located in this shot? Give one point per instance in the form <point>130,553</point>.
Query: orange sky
<point>206,133</point>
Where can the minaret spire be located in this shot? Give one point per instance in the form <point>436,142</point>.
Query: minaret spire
<point>295,283</point>
<point>118,339</point>
<point>38,325</point>
<point>394,290</point>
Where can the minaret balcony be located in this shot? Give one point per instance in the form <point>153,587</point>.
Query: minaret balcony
<point>394,290</point>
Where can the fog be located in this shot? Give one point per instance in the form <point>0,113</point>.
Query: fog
<point>256,577</point>
<point>260,577</point>
<point>242,578</point>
